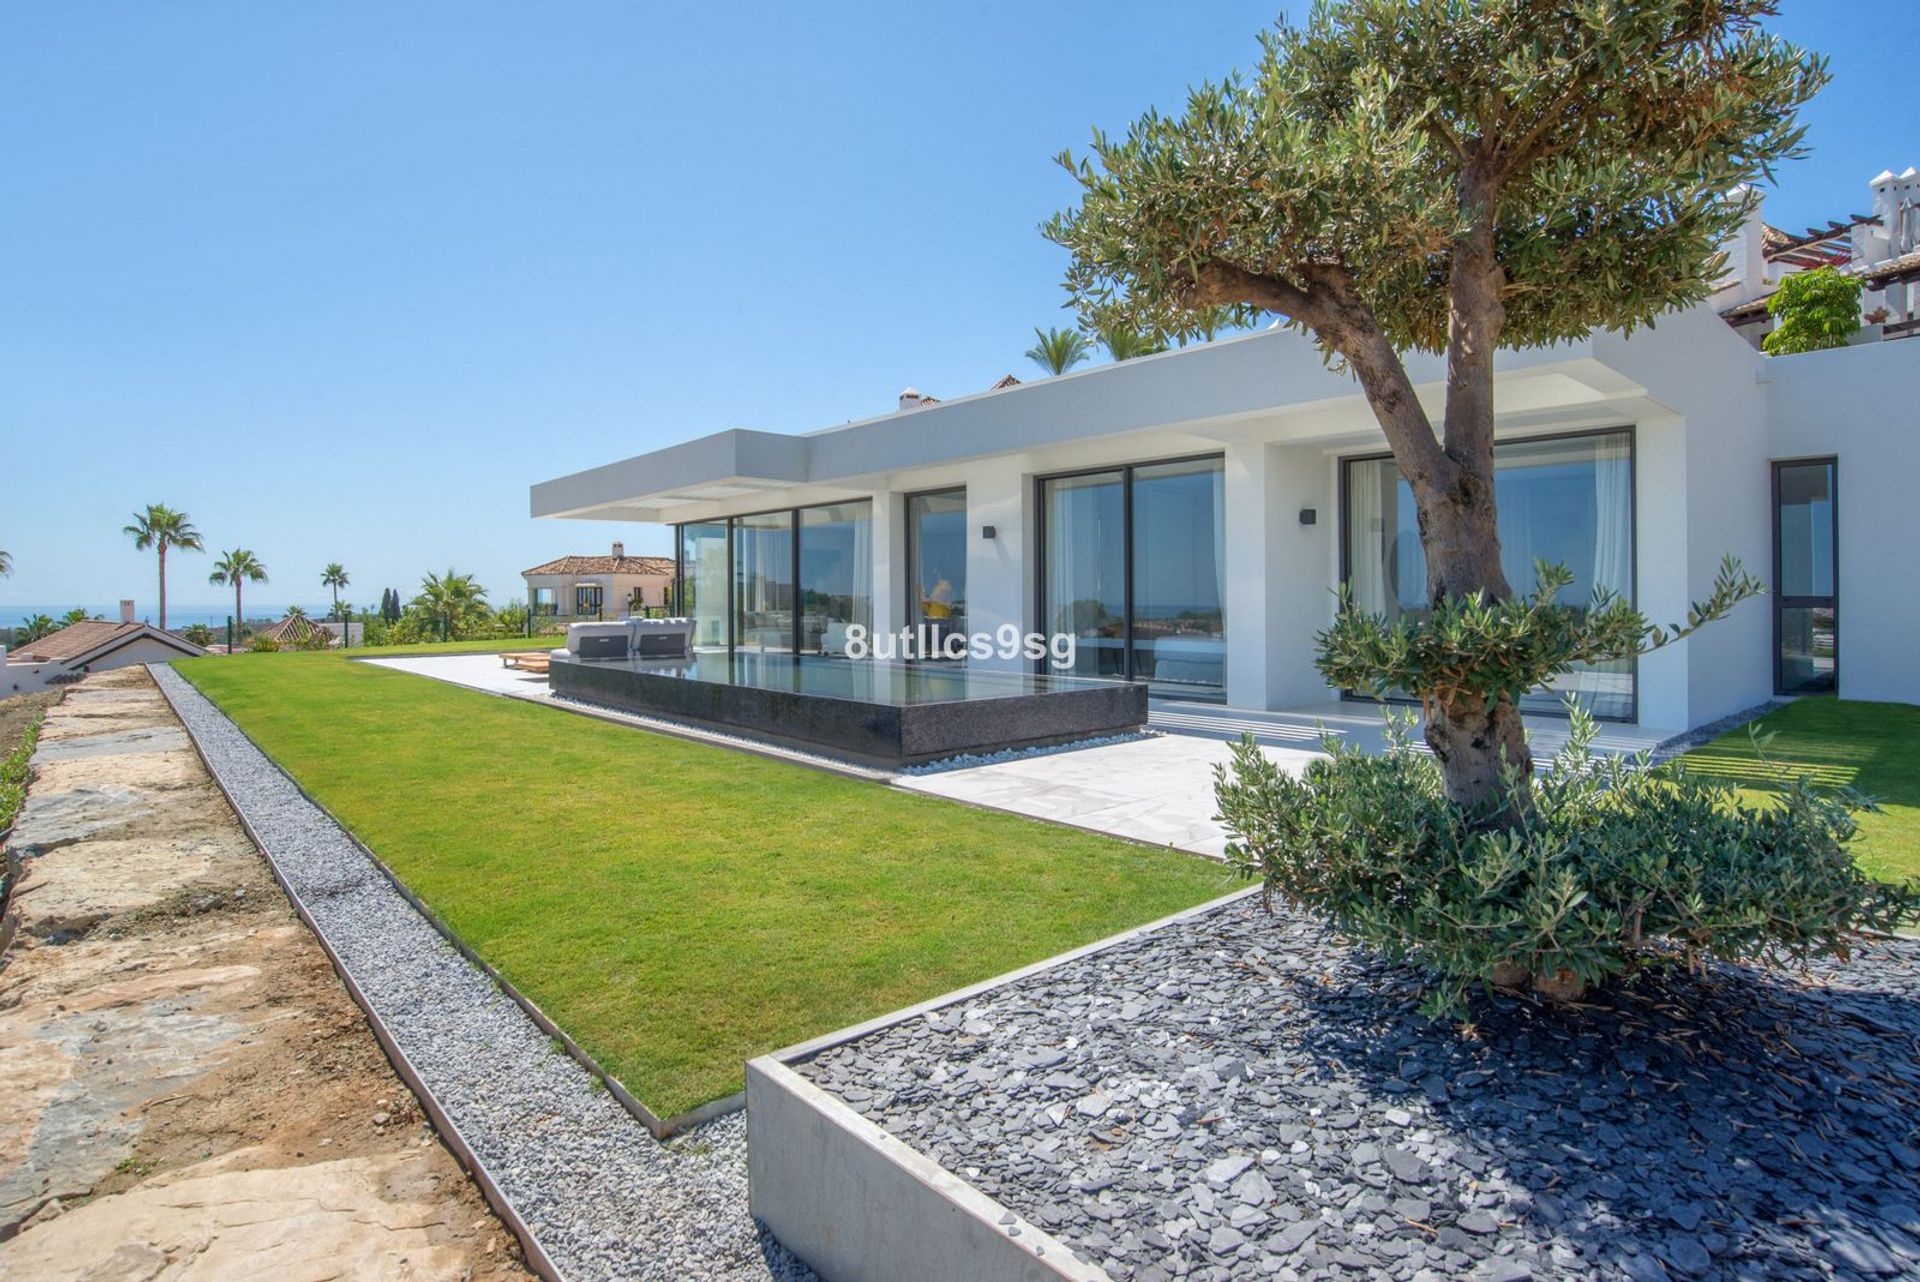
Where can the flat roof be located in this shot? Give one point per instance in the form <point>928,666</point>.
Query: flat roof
<point>1211,383</point>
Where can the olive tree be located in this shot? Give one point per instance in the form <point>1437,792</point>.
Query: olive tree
<point>1451,176</point>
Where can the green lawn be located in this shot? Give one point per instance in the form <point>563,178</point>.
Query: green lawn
<point>492,645</point>
<point>1871,747</point>
<point>679,908</point>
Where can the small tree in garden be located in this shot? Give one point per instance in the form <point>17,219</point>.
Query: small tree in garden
<point>1614,864</point>
<point>1451,176</point>
<point>1812,311</point>
<point>1458,176</point>
<point>454,604</point>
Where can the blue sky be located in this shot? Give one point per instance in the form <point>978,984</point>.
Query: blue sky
<point>342,280</point>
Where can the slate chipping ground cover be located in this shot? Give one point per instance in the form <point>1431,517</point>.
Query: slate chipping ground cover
<point>1245,1096</point>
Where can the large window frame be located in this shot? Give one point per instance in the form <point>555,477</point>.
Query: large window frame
<point>1632,433</point>
<point>1781,601</point>
<point>1128,645</point>
<point>731,523</point>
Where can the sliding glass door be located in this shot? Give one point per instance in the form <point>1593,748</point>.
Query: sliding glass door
<point>1179,641</point>
<point>1567,500</point>
<point>779,582</point>
<point>705,572</point>
<point>937,562</point>
<point>763,582</point>
<point>1085,570</point>
<point>1806,591</point>
<point>1131,569</point>
<point>836,575</point>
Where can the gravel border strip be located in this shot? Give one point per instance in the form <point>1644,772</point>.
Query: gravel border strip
<point>564,1159</point>
<point>1667,749</point>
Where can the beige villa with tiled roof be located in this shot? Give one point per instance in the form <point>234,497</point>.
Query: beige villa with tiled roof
<point>598,586</point>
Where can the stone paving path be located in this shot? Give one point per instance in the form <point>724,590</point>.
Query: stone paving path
<point>186,1090</point>
<point>604,1198</point>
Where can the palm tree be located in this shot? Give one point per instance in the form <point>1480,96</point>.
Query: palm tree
<point>161,527</point>
<point>335,577</point>
<point>76,615</point>
<point>1125,344</point>
<point>33,629</point>
<point>450,600</point>
<point>1208,321</point>
<point>6,564</point>
<point>1059,350</point>
<point>237,567</point>
<point>296,612</point>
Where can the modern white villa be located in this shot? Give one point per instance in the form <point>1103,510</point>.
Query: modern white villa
<point>1188,516</point>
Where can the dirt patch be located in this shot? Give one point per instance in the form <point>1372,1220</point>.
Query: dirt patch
<point>17,712</point>
<point>184,1083</point>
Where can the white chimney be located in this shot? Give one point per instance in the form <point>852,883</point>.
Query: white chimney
<point>619,549</point>
<point>910,399</point>
<point>126,610</point>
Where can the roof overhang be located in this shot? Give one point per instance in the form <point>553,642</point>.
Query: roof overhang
<point>728,465</point>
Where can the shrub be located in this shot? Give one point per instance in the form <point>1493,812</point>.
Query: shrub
<point>1813,310</point>
<point>199,633</point>
<point>261,643</point>
<point>13,775</point>
<point>1613,865</point>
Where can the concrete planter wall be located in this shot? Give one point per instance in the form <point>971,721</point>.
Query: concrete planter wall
<point>859,1205</point>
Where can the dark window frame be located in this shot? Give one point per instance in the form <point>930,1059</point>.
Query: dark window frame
<point>1632,432</point>
<point>1125,471</point>
<point>1781,601</point>
<point>731,521</point>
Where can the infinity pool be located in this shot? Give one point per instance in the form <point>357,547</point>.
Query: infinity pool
<point>877,713</point>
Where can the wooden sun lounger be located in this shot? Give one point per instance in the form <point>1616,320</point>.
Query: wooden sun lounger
<point>526,660</point>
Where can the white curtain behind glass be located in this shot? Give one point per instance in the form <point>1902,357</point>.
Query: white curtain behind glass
<point>863,565</point>
<point>1613,508</point>
<point>1365,536</point>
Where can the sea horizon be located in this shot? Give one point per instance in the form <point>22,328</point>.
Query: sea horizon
<point>178,616</point>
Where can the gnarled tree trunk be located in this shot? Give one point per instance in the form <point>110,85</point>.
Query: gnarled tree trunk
<point>1479,745</point>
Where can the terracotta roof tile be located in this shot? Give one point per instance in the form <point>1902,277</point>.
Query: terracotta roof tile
<point>292,630</point>
<point>605,565</point>
<point>79,639</point>
<point>75,639</point>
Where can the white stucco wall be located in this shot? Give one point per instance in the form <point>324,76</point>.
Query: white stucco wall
<point>1862,405</point>
<point>23,677</point>
<point>1000,582</point>
<point>1703,492</point>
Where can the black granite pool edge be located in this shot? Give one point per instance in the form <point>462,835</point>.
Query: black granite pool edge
<point>886,735</point>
